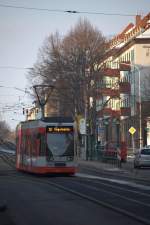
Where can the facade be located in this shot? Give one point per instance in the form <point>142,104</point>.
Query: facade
<point>120,95</point>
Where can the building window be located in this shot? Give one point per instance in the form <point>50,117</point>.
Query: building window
<point>147,52</point>
<point>125,57</point>
<point>132,55</point>
<point>129,55</point>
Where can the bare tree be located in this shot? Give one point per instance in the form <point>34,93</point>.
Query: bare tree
<point>4,131</point>
<point>66,61</point>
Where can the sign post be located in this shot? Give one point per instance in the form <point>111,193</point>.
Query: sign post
<point>132,130</point>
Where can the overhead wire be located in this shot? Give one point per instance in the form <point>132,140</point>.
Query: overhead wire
<point>65,11</point>
<point>15,67</point>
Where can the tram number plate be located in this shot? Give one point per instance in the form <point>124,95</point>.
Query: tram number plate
<point>60,164</point>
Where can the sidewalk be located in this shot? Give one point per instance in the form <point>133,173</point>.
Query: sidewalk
<point>126,169</point>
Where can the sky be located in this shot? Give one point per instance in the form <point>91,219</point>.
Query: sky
<point>22,33</point>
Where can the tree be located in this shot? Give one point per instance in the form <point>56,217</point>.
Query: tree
<point>4,131</point>
<point>66,60</point>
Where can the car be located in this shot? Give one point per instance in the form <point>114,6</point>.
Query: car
<point>142,158</point>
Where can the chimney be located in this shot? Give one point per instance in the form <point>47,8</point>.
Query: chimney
<point>137,20</point>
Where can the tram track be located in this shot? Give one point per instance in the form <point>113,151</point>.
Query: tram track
<point>119,175</point>
<point>76,185</point>
<point>111,204</point>
<point>103,203</point>
<point>8,159</point>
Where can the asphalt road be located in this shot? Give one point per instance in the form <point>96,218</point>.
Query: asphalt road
<point>80,200</point>
<point>32,203</point>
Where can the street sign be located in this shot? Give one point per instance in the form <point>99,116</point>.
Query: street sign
<point>82,126</point>
<point>132,130</point>
<point>100,130</point>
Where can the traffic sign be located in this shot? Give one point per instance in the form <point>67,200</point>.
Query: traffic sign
<point>132,130</point>
<point>82,126</point>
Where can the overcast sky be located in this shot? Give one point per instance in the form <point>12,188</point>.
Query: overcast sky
<point>22,33</point>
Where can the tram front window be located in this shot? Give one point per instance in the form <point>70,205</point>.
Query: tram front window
<point>61,144</point>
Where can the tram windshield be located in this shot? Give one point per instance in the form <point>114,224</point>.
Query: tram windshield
<point>61,144</point>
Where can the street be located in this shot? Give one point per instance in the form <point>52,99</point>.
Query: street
<point>74,113</point>
<point>83,199</point>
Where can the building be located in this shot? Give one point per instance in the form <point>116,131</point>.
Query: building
<point>120,98</point>
<point>51,103</point>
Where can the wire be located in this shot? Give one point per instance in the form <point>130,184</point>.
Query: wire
<point>65,11</point>
<point>30,8</point>
<point>15,67</point>
<point>25,91</point>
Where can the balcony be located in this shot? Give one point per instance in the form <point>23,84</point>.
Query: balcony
<point>125,66</point>
<point>108,112</point>
<point>125,87</point>
<point>108,92</point>
<point>125,111</point>
<point>105,111</point>
<point>108,88</point>
<point>110,72</point>
<point>125,107</point>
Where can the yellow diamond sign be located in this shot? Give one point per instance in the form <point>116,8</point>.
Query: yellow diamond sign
<point>132,130</point>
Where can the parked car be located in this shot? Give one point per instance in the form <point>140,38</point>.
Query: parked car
<point>142,158</point>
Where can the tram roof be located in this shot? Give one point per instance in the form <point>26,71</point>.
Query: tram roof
<point>58,119</point>
<point>45,121</point>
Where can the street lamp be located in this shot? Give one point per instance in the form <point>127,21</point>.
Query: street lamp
<point>42,95</point>
<point>140,106</point>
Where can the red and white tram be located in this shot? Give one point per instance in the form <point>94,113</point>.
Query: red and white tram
<point>46,146</point>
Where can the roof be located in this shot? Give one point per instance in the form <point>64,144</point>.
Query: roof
<point>44,122</point>
<point>131,31</point>
<point>145,34</point>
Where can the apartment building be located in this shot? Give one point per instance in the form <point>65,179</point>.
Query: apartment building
<point>120,92</point>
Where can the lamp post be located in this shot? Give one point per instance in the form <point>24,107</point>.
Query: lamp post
<point>42,96</point>
<point>140,106</point>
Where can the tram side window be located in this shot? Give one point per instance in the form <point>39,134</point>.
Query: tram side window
<point>28,145</point>
<point>17,142</point>
<point>23,143</point>
<point>34,144</point>
<point>42,146</point>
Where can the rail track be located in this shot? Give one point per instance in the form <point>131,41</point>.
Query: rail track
<point>120,175</point>
<point>122,199</point>
<point>8,159</point>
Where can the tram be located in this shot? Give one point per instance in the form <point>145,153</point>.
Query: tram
<point>46,146</point>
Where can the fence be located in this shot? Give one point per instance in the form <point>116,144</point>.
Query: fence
<point>106,155</point>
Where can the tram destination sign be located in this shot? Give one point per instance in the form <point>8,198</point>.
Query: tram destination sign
<point>59,129</point>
